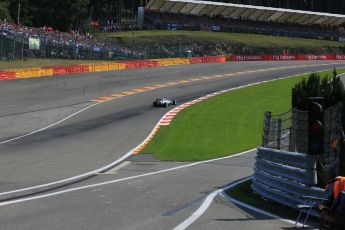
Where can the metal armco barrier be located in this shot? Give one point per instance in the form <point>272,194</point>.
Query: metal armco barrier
<point>284,177</point>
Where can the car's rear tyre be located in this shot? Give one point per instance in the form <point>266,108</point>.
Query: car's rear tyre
<point>154,104</point>
<point>174,102</point>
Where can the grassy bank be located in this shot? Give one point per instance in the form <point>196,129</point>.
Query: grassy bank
<point>221,42</point>
<point>223,125</point>
<point>249,39</point>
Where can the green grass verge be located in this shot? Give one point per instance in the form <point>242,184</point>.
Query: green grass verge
<point>223,125</point>
<point>39,63</point>
<point>248,39</point>
<point>243,193</point>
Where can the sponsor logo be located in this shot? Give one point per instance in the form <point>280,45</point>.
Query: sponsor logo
<point>284,57</point>
<point>340,57</point>
<point>248,58</point>
<point>315,57</point>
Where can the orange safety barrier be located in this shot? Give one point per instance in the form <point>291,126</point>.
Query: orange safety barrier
<point>172,61</point>
<point>5,75</point>
<point>140,64</point>
<point>102,66</point>
<point>62,70</point>
<point>32,72</point>
<point>116,66</point>
<point>197,60</point>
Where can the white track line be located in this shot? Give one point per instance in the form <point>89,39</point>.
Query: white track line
<point>87,173</point>
<point>257,210</point>
<point>209,199</point>
<point>51,125</point>
<point>225,75</point>
<point>67,180</point>
<point>117,180</point>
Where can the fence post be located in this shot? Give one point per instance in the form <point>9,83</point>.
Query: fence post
<point>14,48</point>
<point>279,133</point>
<point>23,46</point>
<point>1,47</point>
<point>267,126</point>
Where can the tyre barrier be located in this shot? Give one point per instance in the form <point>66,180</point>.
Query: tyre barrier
<point>285,177</point>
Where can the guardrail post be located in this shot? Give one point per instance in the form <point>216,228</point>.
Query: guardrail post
<point>279,132</point>
<point>1,47</point>
<point>23,46</point>
<point>267,126</point>
<point>14,48</point>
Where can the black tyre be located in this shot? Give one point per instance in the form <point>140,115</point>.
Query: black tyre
<point>166,105</point>
<point>154,104</point>
<point>174,102</point>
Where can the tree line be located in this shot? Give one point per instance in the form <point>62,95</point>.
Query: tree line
<point>67,15</point>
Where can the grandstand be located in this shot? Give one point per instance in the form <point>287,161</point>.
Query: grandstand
<point>248,18</point>
<point>194,15</point>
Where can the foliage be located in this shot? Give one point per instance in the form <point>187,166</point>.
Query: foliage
<point>65,15</point>
<point>332,89</point>
<point>4,12</point>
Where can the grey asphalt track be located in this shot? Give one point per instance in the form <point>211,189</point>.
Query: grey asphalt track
<point>103,134</point>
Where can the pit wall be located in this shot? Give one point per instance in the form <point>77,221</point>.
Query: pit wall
<point>13,74</point>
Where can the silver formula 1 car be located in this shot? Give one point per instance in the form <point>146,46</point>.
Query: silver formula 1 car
<point>164,102</point>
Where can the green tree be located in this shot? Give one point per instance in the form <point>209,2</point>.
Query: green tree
<point>4,11</point>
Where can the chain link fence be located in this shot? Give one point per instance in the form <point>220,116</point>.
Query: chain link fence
<point>17,47</point>
<point>289,132</point>
<point>276,132</point>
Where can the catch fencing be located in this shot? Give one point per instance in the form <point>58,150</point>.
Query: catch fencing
<point>283,171</point>
<point>289,132</point>
<point>16,47</point>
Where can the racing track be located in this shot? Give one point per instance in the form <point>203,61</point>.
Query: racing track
<point>106,132</point>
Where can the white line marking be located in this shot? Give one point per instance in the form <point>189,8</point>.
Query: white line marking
<point>117,168</point>
<point>51,125</point>
<point>256,209</point>
<point>117,180</point>
<point>130,152</point>
<point>209,199</point>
